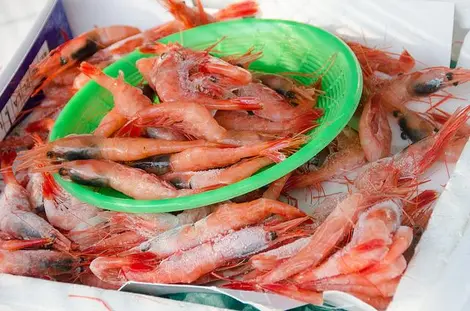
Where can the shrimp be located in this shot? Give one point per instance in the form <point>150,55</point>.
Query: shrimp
<point>187,117</point>
<point>275,107</point>
<point>183,74</point>
<point>16,216</point>
<point>229,216</point>
<point>369,244</point>
<point>374,130</point>
<point>125,94</point>
<point>38,263</point>
<point>400,90</point>
<point>372,60</point>
<point>224,176</point>
<point>62,210</point>
<point>203,158</point>
<point>71,52</point>
<point>132,182</point>
<point>188,266</point>
<point>413,160</point>
<point>325,238</point>
<point>350,156</point>
<point>82,147</point>
<point>241,121</point>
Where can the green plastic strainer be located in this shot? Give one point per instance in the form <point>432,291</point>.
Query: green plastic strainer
<point>287,47</point>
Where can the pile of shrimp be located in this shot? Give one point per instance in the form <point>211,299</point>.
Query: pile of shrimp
<point>219,122</point>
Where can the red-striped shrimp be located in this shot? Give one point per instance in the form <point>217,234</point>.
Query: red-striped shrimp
<point>62,210</point>
<point>204,158</point>
<point>275,107</point>
<point>370,243</point>
<point>188,266</point>
<point>243,121</point>
<point>125,94</point>
<point>16,216</point>
<point>82,147</point>
<point>325,238</point>
<point>73,51</point>
<point>227,217</point>
<point>413,160</point>
<point>402,89</point>
<point>192,75</point>
<point>132,182</point>
<point>190,118</point>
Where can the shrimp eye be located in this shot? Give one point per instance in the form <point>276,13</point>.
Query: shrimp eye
<point>272,235</point>
<point>213,79</point>
<point>290,94</point>
<point>50,154</point>
<point>163,55</point>
<point>428,87</point>
<point>396,113</point>
<point>144,247</point>
<point>63,171</point>
<point>450,76</point>
<point>63,61</point>
<point>403,136</point>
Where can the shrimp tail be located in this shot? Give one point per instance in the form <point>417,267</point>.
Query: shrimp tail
<point>6,163</point>
<point>14,245</point>
<point>43,125</point>
<point>443,137</point>
<point>248,8</point>
<point>280,149</point>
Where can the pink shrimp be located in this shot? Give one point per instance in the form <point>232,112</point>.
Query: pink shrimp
<point>275,107</point>
<point>415,159</point>
<point>369,244</point>
<point>226,217</point>
<point>374,131</point>
<point>95,147</point>
<point>124,94</point>
<point>16,217</point>
<point>132,182</point>
<point>62,210</point>
<point>242,121</point>
<point>38,263</point>
<point>349,156</point>
<point>325,238</point>
<point>69,53</point>
<point>192,263</point>
<point>203,158</point>
<point>188,117</point>
<point>400,90</point>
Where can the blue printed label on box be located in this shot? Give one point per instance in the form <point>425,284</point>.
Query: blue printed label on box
<point>17,94</point>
